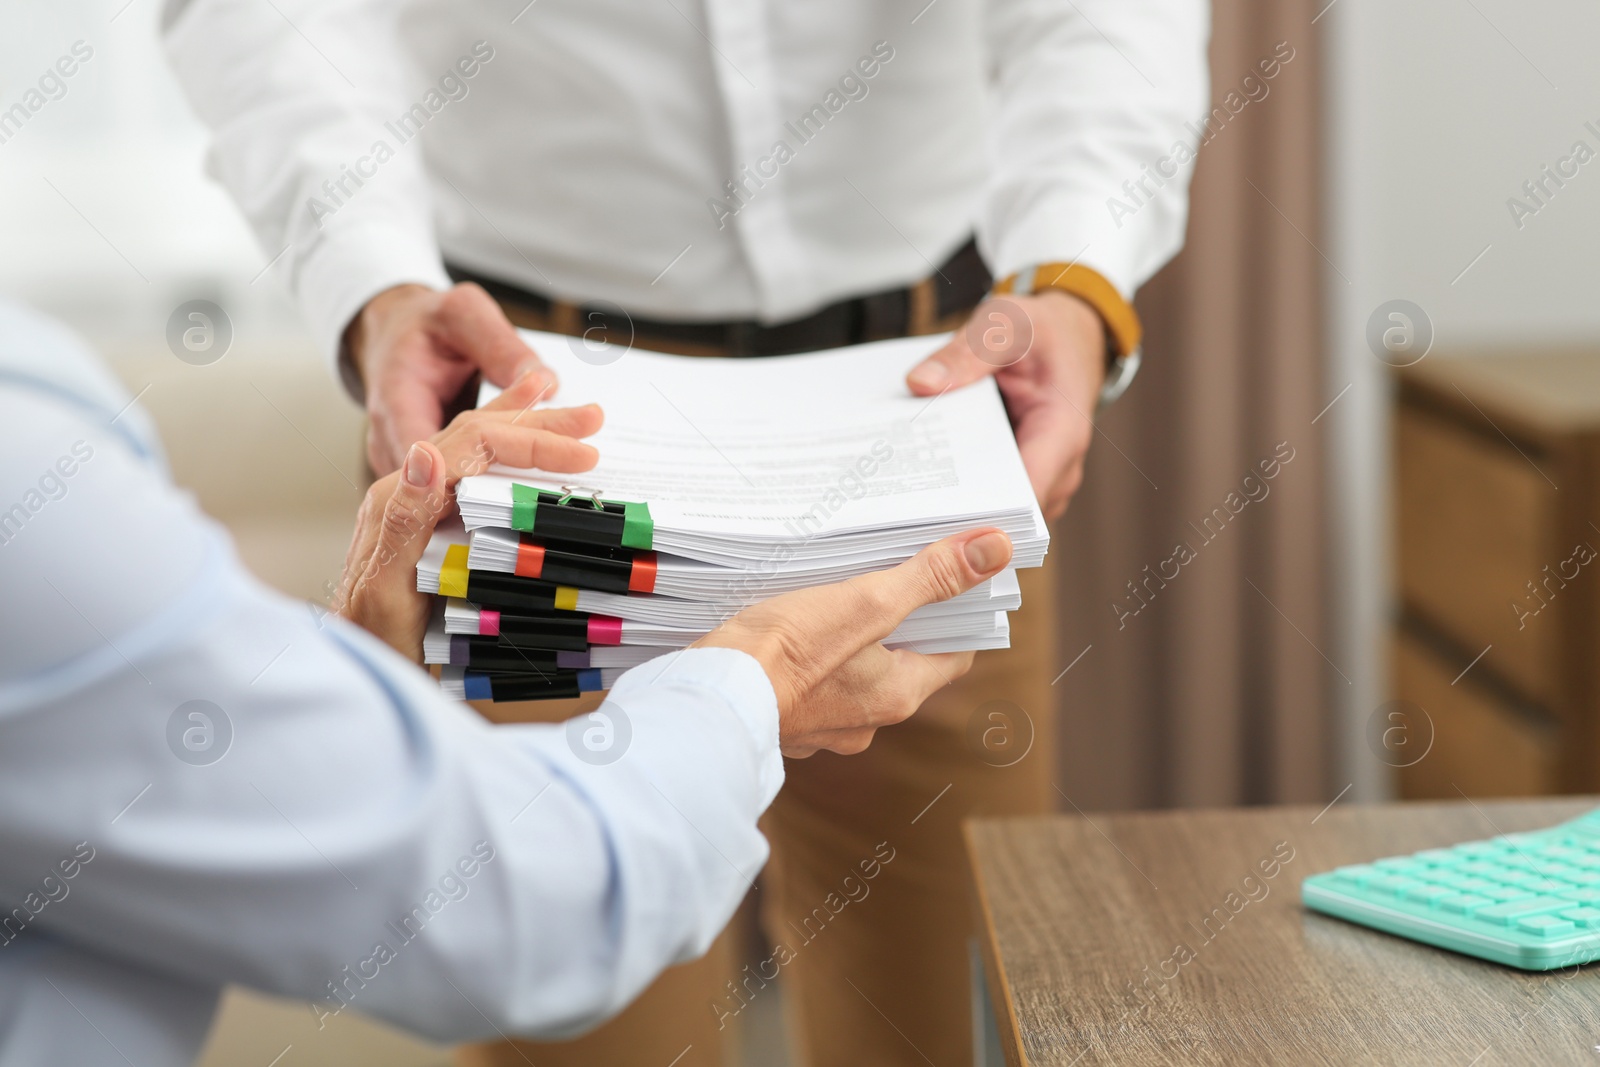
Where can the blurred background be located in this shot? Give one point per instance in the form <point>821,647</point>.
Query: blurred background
<point>1387,295</point>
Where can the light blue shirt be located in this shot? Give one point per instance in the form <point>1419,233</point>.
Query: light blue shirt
<point>203,782</point>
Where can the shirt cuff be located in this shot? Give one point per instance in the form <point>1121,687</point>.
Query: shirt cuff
<point>737,680</point>
<point>348,268</point>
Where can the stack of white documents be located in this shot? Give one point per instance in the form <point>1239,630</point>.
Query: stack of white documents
<point>734,481</point>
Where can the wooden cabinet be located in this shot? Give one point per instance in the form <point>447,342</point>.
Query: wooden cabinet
<point>1497,507</point>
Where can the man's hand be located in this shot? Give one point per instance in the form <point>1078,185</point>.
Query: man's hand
<point>1048,354</point>
<point>820,647</point>
<point>379,587</point>
<point>416,348</point>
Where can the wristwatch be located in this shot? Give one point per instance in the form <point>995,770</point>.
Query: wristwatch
<point>1123,329</point>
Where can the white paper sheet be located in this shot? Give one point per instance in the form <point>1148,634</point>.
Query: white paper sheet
<point>827,454</point>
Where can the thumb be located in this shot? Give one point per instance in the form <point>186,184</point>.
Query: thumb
<point>802,637</point>
<point>855,614</point>
<point>943,570</point>
<point>997,335</point>
<point>418,503</point>
<point>472,324</point>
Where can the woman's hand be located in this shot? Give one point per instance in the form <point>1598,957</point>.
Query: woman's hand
<point>835,683</point>
<point>379,588</point>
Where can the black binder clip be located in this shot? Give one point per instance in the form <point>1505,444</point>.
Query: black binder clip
<point>581,515</point>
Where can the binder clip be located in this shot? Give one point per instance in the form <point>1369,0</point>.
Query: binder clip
<point>553,685</point>
<point>555,631</point>
<point>487,653</point>
<point>580,515</point>
<point>609,570</point>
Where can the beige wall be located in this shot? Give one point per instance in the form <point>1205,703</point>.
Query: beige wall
<point>269,445</point>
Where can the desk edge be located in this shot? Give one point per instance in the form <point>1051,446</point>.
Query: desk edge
<point>1000,999</point>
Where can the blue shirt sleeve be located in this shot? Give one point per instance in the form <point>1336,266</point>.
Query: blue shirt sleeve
<point>245,791</point>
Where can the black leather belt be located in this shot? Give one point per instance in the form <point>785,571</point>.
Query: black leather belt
<point>957,286</point>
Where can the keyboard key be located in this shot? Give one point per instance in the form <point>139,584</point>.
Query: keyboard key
<point>1391,885</point>
<point>1464,903</point>
<point>1583,878</point>
<point>1438,857</point>
<point>1426,894</point>
<point>1537,883</point>
<point>1510,912</point>
<point>1547,926</point>
<point>1588,918</point>
<point>1557,869</point>
<point>1584,896</point>
<point>1356,874</point>
<point>1436,876</point>
<point>1505,893</point>
<point>1473,885</point>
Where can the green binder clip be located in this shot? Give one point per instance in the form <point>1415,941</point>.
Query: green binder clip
<point>581,515</point>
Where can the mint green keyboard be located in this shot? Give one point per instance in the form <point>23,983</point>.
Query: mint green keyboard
<point>1527,900</point>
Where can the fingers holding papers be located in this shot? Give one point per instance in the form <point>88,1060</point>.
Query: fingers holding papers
<point>820,647</point>
<point>875,687</point>
<point>508,432</point>
<point>950,367</point>
<point>1048,354</point>
<point>378,590</point>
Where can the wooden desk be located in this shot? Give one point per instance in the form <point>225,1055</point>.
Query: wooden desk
<point>1081,924</point>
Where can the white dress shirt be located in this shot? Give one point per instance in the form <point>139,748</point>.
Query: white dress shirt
<point>581,148</point>
<point>331,827</point>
